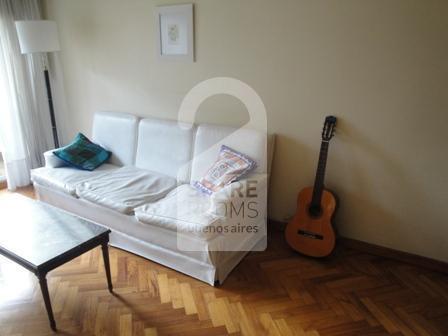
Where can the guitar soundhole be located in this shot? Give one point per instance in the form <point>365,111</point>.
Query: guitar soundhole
<point>315,211</point>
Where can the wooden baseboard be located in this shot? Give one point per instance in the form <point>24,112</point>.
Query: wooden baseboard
<point>405,257</point>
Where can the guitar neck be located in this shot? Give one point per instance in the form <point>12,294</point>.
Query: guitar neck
<point>320,175</point>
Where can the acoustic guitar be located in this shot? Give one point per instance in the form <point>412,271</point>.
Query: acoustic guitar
<point>310,231</point>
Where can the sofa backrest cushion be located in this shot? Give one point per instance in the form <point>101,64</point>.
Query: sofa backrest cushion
<point>209,139</point>
<point>166,147</point>
<point>116,132</point>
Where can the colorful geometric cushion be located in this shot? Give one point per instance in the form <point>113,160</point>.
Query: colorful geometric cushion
<point>229,166</point>
<point>83,153</point>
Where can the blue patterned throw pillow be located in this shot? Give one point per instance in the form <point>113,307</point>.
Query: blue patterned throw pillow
<point>83,153</point>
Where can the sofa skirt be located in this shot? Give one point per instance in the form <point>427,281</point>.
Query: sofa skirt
<point>155,243</point>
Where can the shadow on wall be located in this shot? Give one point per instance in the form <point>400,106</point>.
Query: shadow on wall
<point>224,110</point>
<point>291,171</point>
<point>379,200</point>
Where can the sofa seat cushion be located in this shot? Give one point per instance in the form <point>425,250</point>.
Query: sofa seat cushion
<point>65,179</point>
<point>126,188</point>
<point>185,209</point>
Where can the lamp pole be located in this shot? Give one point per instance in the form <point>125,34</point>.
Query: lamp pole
<point>50,104</point>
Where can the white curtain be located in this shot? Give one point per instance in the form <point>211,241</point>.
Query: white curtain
<point>25,128</point>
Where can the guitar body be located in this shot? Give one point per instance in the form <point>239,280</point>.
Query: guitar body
<point>309,234</point>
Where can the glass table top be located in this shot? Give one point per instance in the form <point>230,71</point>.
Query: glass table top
<point>38,232</point>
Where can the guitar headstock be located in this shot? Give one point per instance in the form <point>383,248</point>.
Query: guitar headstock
<point>329,127</point>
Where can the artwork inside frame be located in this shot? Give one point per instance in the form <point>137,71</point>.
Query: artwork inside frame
<point>174,32</point>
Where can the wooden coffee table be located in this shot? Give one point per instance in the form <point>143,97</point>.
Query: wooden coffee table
<point>41,237</point>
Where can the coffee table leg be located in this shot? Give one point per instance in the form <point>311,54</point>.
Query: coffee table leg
<point>46,295</point>
<point>105,249</point>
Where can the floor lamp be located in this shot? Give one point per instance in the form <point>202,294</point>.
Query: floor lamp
<point>41,36</point>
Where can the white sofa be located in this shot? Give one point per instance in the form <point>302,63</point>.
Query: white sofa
<point>143,194</point>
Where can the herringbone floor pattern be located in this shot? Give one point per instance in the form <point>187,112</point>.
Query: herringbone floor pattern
<point>276,292</point>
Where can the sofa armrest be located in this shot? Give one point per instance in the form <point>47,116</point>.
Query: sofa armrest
<point>246,198</point>
<point>52,161</point>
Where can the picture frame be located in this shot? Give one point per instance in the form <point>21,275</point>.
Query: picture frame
<point>175,32</point>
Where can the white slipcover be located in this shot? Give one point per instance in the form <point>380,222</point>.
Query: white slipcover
<point>165,146</point>
<point>162,230</point>
<point>52,160</point>
<point>116,132</point>
<point>126,188</point>
<point>157,243</point>
<point>209,139</point>
<point>65,179</point>
<point>184,209</point>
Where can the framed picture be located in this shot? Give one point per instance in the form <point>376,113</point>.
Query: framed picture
<point>174,29</point>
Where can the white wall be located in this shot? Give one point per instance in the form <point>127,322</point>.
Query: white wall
<point>381,66</point>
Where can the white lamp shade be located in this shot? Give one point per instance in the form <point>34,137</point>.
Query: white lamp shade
<point>37,36</point>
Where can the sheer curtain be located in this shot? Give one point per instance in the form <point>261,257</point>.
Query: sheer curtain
<point>25,131</point>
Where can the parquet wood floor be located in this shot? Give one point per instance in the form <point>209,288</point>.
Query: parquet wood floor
<point>275,292</point>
